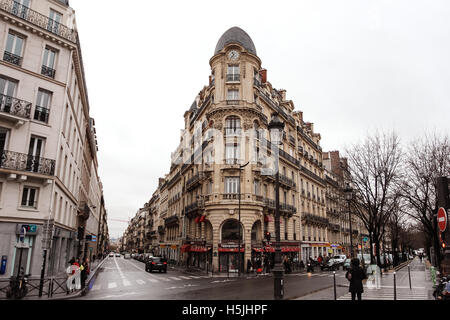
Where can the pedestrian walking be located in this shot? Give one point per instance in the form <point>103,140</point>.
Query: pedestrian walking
<point>355,275</point>
<point>249,265</point>
<point>84,272</point>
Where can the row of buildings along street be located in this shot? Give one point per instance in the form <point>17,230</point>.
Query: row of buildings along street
<point>221,177</point>
<point>51,194</point>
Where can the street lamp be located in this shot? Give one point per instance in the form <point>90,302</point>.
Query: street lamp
<point>349,196</point>
<point>239,225</point>
<point>276,128</point>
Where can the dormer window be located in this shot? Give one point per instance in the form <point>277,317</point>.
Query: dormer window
<point>233,72</point>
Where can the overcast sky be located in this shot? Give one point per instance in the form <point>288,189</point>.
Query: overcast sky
<point>350,66</point>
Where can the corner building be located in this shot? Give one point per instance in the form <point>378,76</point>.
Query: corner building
<point>226,127</point>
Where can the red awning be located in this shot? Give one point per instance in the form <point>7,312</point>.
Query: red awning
<point>230,249</point>
<point>267,218</point>
<point>202,218</point>
<point>272,249</point>
<point>185,247</point>
<point>197,219</point>
<point>199,249</point>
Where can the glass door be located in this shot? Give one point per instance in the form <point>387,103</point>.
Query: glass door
<point>35,152</point>
<point>7,92</point>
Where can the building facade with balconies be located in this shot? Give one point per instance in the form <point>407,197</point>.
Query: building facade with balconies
<point>45,129</point>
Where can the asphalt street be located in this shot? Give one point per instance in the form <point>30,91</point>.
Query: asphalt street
<point>126,279</point>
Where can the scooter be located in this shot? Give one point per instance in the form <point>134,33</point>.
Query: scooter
<point>18,287</point>
<point>309,267</point>
<point>442,291</point>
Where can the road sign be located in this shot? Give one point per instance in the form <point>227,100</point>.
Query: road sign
<point>442,219</point>
<point>23,232</point>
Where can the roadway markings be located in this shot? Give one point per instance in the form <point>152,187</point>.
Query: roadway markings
<point>112,285</point>
<point>175,278</point>
<point>126,283</point>
<point>140,281</point>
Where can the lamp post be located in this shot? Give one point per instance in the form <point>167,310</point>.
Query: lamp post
<point>276,127</point>
<point>349,196</point>
<point>239,225</point>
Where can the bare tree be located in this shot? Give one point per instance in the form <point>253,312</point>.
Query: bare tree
<point>427,158</point>
<point>375,170</point>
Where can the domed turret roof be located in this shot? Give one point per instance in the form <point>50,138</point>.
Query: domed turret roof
<point>235,35</point>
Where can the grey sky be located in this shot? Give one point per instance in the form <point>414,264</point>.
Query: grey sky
<point>350,66</point>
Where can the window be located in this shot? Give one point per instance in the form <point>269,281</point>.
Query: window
<point>54,21</point>
<point>257,187</point>
<point>20,8</point>
<point>14,47</point>
<point>231,184</point>
<point>48,64</point>
<point>29,197</point>
<point>233,72</point>
<point>233,126</point>
<point>7,92</point>
<point>4,133</point>
<point>35,151</point>
<point>232,153</point>
<point>232,94</point>
<point>42,106</point>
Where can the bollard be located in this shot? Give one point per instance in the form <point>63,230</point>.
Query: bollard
<point>395,287</point>
<point>334,280</point>
<point>409,274</point>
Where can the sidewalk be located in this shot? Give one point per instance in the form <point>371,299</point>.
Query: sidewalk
<point>421,286</point>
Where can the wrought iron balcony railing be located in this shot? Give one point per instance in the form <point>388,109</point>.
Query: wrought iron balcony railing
<point>232,102</point>
<point>38,19</point>
<point>47,71</point>
<point>192,182</point>
<point>233,77</point>
<point>12,58</point>
<point>24,162</point>
<point>15,106</point>
<point>41,114</point>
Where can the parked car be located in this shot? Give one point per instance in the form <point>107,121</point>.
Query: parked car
<point>141,257</point>
<point>339,259</point>
<point>127,256</point>
<point>330,265</point>
<point>156,263</point>
<point>133,255</point>
<point>347,264</point>
<point>117,254</point>
<point>147,256</point>
<point>111,254</point>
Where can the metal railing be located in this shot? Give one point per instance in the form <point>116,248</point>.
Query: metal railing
<point>41,114</point>
<point>25,162</point>
<point>232,102</point>
<point>47,71</point>
<point>12,58</point>
<point>15,107</point>
<point>38,19</point>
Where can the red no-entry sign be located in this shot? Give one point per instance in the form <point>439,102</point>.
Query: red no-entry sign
<point>442,219</point>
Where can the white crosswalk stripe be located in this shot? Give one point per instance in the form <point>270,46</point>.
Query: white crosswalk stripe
<point>126,283</point>
<point>186,278</point>
<point>153,280</point>
<point>381,294</point>
<point>140,281</point>
<point>112,285</point>
<point>95,287</point>
<point>175,278</point>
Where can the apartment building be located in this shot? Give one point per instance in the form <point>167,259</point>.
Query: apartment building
<point>48,169</point>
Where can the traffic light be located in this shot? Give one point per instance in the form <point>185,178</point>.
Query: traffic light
<point>267,236</point>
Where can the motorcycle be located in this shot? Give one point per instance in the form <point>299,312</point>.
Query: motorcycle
<point>442,291</point>
<point>17,287</point>
<point>330,265</point>
<point>309,267</point>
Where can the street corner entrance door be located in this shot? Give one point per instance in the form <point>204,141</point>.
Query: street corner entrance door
<point>442,219</point>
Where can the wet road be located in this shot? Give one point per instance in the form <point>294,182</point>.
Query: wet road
<point>126,279</point>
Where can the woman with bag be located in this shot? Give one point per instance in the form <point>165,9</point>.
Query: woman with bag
<point>356,275</point>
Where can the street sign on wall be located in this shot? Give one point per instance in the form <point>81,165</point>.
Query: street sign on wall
<point>442,219</point>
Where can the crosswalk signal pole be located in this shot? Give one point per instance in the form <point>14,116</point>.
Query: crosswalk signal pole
<point>395,287</point>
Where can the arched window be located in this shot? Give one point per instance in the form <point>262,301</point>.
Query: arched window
<point>230,230</point>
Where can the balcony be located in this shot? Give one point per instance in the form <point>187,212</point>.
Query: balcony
<point>171,221</point>
<point>231,196</point>
<point>232,102</point>
<point>315,220</point>
<point>41,114</point>
<point>12,107</point>
<point>192,208</point>
<point>194,181</point>
<point>12,58</point>
<point>47,71</point>
<point>257,81</point>
<point>292,139</point>
<point>38,19</point>
<point>23,162</point>
<point>233,77</point>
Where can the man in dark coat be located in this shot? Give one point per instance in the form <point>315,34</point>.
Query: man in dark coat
<point>356,275</point>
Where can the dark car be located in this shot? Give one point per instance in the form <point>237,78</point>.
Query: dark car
<point>156,263</point>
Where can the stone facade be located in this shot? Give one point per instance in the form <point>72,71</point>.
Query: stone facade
<point>49,164</point>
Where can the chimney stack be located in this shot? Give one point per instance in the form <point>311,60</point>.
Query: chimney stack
<point>263,73</point>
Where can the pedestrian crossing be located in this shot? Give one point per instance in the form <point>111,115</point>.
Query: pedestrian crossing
<point>388,294</point>
<point>140,282</point>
